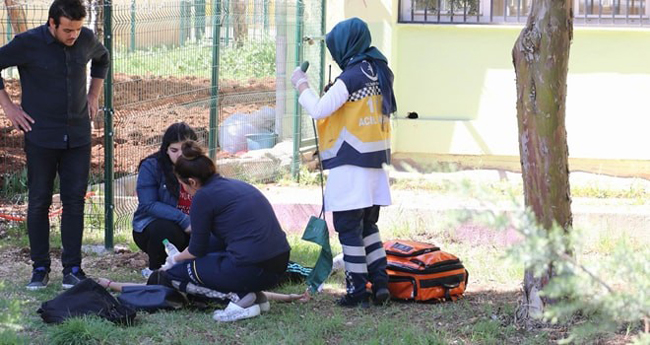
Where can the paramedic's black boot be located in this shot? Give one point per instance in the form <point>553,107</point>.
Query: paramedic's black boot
<point>352,302</point>
<point>381,296</point>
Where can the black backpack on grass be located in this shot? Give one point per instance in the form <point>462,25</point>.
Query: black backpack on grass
<point>86,298</point>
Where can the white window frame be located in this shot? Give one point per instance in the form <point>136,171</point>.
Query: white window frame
<point>486,17</point>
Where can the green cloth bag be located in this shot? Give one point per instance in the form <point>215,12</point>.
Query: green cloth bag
<point>316,231</point>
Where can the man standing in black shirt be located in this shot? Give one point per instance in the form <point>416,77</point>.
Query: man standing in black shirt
<point>55,113</point>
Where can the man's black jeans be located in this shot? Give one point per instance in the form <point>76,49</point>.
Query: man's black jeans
<point>73,167</point>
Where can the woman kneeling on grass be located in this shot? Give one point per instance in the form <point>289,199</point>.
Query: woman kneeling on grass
<point>252,250</point>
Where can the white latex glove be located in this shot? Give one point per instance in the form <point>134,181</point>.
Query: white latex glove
<point>298,78</point>
<point>169,263</point>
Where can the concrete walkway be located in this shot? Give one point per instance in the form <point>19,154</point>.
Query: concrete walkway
<point>426,211</point>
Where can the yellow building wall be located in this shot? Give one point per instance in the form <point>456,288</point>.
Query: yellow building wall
<point>460,80</point>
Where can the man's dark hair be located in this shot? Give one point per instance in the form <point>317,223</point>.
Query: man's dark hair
<point>71,9</point>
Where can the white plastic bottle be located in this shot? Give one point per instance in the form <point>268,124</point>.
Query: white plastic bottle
<point>170,248</point>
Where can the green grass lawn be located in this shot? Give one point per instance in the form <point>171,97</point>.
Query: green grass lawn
<point>485,316</point>
<point>255,59</point>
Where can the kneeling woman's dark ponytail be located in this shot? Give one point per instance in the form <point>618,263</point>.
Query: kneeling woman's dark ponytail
<point>193,163</point>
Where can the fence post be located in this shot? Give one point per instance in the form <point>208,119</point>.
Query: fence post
<point>266,18</point>
<point>10,35</point>
<point>296,107</point>
<point>323,28</point>
<point>214,99</point>
<point>183,21</point>
<point>108,128</point>
<point>281,53</point>
<point>132,46</point>
<point>226,7</point>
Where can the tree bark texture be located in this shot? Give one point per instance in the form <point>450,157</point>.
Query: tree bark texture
<point>540,57</point>
<point>239,21</point>
<point>17,16</point>
<point>96,17</point>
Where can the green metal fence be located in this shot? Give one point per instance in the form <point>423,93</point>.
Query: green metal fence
<point>222,66</point>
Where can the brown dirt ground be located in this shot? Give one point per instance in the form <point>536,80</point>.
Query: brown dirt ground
<point>121,260</point>
<point>144,107</point>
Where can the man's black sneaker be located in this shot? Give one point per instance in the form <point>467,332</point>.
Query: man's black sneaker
<point>381,296</point>
<point>40,278</point>
<point>75,275</point>
<point>352,302</point>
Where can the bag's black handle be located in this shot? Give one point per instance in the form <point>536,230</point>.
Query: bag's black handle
<point>451,286</point>
<point>418,262</point>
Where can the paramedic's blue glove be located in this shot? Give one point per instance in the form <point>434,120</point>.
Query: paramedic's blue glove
<point>169,263</point>
<point>299,78</point>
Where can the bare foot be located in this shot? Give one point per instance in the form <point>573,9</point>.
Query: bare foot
<point>305,297</point>
<point>103,282</point>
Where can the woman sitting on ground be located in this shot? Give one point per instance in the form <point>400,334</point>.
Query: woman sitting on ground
<point>163,204</point>
<point>252,250</point>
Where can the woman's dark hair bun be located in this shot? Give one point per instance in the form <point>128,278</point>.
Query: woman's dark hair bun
<point>193,163</point>
<point>191,150</point>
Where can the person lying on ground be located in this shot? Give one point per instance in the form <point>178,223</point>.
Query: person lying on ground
<point>271,296</point>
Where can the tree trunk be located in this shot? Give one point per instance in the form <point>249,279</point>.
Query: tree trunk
<point>199,19</point>
<point>540,57</point>
<point>17,16</point>
<point>96,17</point>
<point>240,24</point>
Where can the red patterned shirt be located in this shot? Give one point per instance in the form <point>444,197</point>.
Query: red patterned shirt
<point>184,201</point>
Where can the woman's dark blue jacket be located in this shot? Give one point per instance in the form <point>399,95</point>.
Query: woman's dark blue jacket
<point>154,200</point>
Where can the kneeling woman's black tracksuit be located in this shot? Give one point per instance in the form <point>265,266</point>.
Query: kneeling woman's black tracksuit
<point>253,251</point>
